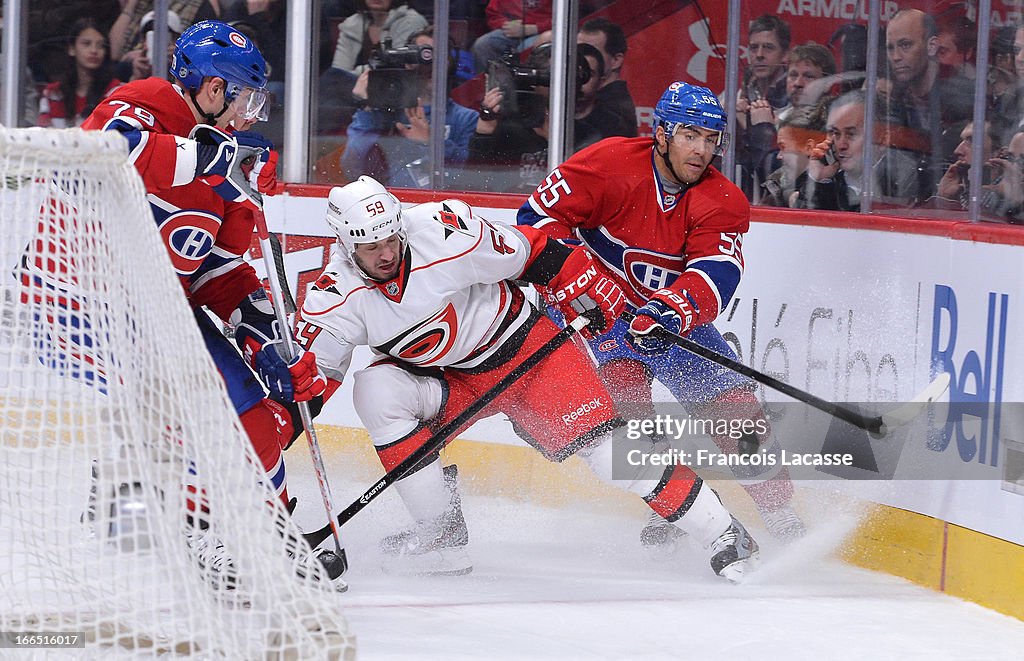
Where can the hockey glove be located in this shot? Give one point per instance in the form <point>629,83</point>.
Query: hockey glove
<point>219,160</point>
<point>258,335</point>
<point>581,288</point>
<point>666,309</point>
<point>261,169</point>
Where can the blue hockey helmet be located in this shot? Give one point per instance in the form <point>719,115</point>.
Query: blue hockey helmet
<point>684,104</point>
<point>213,48</point>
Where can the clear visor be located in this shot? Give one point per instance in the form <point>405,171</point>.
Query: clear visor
<point>689,135</point>
<point>251,104</point>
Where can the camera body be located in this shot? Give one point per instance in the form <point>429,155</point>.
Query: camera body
<point>519,85</point>
<point>392,85</point>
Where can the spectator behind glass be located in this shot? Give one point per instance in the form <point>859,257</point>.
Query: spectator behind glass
<point>956,43</point>
<point>809,77</point>
<point>613,96</point>
<point>394,147</point>
<point>916,97</point>
<point>516,26</point>
<point>798,133</point>
<point>952,190</point>
<point>125,31</point>
<point>87,79</point>
<point>376,22</point>
<point>511,146</point>
<point>137,63</point>
<point>764,87</point>
<point>835,171</point>
<point>1008,184</point>
<point>1002,75</point>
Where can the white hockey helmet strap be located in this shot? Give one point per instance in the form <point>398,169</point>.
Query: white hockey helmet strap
<point>363,212</point>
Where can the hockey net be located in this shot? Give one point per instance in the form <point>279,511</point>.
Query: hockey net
<point>132,507</point>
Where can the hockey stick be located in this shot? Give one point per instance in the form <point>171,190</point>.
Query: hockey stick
<point>878,425</point>
<point>289,349</point>
<point>282,275</point>
<point>434,443</point>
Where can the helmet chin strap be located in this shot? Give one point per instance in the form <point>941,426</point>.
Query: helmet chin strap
<point>210,118</point>
<point>668,162</point>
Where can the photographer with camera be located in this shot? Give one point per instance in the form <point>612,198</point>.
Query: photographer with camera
<point>512,132</point>
<point>389,139</point>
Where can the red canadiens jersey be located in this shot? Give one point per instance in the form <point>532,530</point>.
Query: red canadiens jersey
<point>205,235</point>
<point>449,305</point>
<point>610,197</point>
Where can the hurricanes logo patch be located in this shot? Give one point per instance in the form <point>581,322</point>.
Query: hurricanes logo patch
<point>428,342</point>
<point>451,221</point>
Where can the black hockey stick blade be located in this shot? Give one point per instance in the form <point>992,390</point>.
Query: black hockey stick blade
<point>434,443</point>
<point>877,425</point>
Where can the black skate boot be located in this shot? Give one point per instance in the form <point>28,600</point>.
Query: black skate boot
<point>432,548</point>
<point>734,553</point>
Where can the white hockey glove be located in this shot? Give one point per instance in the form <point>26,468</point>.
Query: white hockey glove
<point>258,335</point>
<point>219,164</point>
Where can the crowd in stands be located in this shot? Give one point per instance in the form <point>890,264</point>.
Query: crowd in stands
<point>800,113</point>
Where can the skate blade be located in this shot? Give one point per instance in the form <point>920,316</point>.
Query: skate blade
<point>447,562</point>
<point>736,572</point>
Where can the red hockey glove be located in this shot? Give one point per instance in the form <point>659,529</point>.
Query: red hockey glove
<point>219,160</point>
<point>667,309</point>
<point>261,169</point>
<point>581,288</point>
<point>300,380</point>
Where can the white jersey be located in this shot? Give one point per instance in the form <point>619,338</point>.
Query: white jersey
<point>449,306</point>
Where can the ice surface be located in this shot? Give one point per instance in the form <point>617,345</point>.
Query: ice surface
<point>573,583</point>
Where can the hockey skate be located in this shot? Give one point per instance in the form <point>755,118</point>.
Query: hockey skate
<point>784,524</point>
<point>432,548</point>
<point>212,558</point>
<point>659,538</point>
<point>734,553</point>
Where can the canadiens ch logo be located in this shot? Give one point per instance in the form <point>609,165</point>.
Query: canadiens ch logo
<point>647,272</point>
<point>428,342</point>
<point>190,237</point>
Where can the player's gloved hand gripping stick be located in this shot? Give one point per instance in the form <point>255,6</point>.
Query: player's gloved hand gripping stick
<point>289,349</point>
<point>434,443</point>
<point>878,426</point>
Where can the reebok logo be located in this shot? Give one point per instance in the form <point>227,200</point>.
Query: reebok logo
<point>583,409</point>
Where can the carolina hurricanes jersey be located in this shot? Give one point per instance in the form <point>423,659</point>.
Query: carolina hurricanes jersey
<point>610,197</point>
<point>449,305</point>
<point>205,235</point>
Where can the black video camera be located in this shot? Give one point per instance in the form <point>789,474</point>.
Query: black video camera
<point>393,86</point>
<point>518,84</point>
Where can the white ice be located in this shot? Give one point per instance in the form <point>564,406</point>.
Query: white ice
<point>574,583</point>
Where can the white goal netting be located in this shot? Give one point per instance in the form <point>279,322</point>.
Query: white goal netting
<point>132,510</point>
